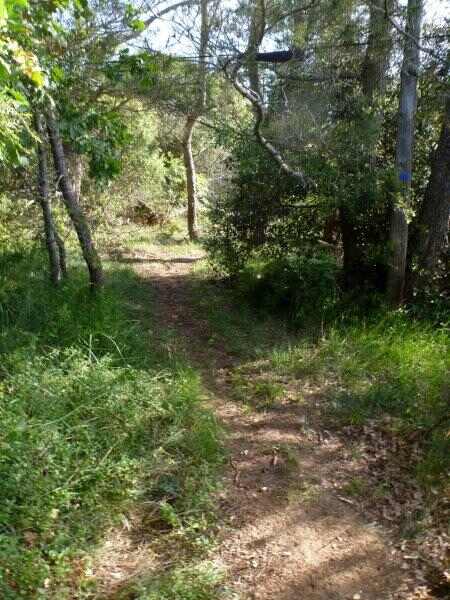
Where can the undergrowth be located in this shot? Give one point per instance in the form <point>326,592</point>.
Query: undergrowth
<point>369,362</point>
<point>190,582</point>
<point>390,366</point>
<point>94,418</point>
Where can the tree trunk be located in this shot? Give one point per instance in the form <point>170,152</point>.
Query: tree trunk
<point>430,234</point>
<point>191,178</point>
<point>75,169</point>
<point>379,46</point>
<point>51,236</point>
<point>200,106</point>
<point>257,25</point>
<point>62,254</point>
<point>76,214</point>
<point>353,264</point>
<point>398,234</point>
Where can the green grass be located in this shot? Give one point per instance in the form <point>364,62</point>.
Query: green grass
<point>389,367</point>
<point>171,238</point>
<point>392,366</point>
<point>258,394</point>
<point>95,418</point>
<point>233,322</point>
<point>190,582</point>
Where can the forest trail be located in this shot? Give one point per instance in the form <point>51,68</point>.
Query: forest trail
<point>285,532</point>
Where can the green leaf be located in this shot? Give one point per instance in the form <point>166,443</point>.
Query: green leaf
<point>37,78</point>
<point>18,96</point>
<point>57,74</point>
<point>16,3</point>
<point>5,69</point>
<point>138,25</point>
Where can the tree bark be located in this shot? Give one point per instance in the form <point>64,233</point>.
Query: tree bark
<point>257,27</point>
<point>192,118</point>
<point>398,234</point>
<point>75,169</point>
<point>191,178</point>
<point>62,254</point>
<point>76,214</point>
<point>379,46</point>
<point>56,272</point>
<point>430,230</point>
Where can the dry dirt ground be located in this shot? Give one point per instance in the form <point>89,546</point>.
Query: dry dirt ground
<point>285,533</point>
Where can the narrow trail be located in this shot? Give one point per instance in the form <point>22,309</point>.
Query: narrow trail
<point>285,532</point>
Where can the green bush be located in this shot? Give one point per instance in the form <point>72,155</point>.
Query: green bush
<point>302,287</point>
<point>261,214</point>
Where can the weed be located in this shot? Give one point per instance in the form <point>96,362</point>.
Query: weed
<point>193,582</point>
<point>94,417</point>
<point>355,487</point>
<point>305,492</point>
<point>260,393</point>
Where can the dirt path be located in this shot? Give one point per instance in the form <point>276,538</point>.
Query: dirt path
<point>285,532</point>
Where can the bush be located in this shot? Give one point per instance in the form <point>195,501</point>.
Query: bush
<point>302,287</point>
<point>257,212</point>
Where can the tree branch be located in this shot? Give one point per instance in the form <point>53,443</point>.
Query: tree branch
<point>403,32</point>
<point>148,22</point>
<point>260,114</point>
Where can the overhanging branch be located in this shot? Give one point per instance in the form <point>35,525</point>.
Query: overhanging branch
<point>260,115</point>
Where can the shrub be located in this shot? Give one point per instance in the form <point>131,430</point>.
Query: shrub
<point>303,287</point>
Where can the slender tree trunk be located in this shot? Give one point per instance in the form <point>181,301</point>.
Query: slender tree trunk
<point>200,106</point>
<point>398,234</point>
<point>430,230</point>
<point>257,25</point>
<point>43,177</point>
<point>191,177</point>
<point>76,214</point>
<point>51,236</point>
<point>62,254</point>
<point>75,169</point>
<point>379,46</point>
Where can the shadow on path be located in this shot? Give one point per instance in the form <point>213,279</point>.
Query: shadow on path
<point>284,532</point>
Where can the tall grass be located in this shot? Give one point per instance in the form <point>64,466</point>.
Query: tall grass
<point>390,365</point>
<point>92,420</point>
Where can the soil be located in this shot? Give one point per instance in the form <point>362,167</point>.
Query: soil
<point>285,532</point>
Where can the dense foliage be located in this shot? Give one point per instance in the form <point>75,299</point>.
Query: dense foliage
<point>306,147</point>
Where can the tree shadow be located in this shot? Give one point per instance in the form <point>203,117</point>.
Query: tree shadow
<point>283,516</point>
<point>162,261</point>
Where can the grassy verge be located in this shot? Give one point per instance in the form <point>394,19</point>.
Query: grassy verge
<point>94,419</point>
<point>387,367</point>
<point>391,367</point>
